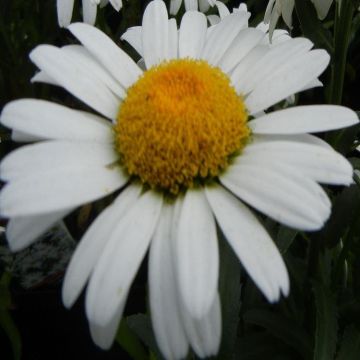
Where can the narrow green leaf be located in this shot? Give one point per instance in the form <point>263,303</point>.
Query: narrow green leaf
<point>312,26</point>
<point>140,324</point>
<point>326,322</point>
<point>282,328</point>
<point>12,332</point>
<point>129,342</point>
<point>350,346</point>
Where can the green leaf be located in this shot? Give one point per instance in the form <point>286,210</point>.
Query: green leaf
<point>311,26</point>
<point>284,238</point>
<point>12,332</point>
<point>350,346</point>
<point>282,328</point>
<point>140,324</point>
<point>230,290</point>
<point>129,342</point>
<point>326,322</point>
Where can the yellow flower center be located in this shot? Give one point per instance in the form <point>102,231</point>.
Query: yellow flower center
<point>179,124</point>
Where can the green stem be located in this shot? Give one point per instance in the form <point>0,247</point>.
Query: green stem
<point>343,20</point>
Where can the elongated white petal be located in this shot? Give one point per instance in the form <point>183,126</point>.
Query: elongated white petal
<point>173,47</point>
<point>251,243</point>
<point>104,335</point>
<point>175,6</point>
<point>322,7</point>
<point>244,42</point>
<point>198,255</point>
<point>121,258</point>
<point>83,57</point>
<point>192,34</point>
<point>204,5</point>
<point>117,4</point>
<point>165,313</point>
<point>204,334</point>
<point>222,9</point>
<point>133,36</point>
<point>93,242</point>
<point>288,80</point>
<point>58,189</point>
<point>302,119</point>
<point>48,120</point>
<point>39,158</point>
<point>222,36</point>
<point>20,136</point>
<point>116,61</point>
<point>191,5</point>
<point>75,79</point>
<point>270,63</point>
<point>64,11</point>
<point>23,231</point>
<point>155,33</point>
<point>43,77</point>
<point>89,11</point>
<point>319,163</point>
<point>280,192</point>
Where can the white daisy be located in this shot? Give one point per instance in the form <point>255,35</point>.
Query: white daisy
<point>285,8</point>
<point>202,5</point>
<point>185,153</point>
<point>89,8</point>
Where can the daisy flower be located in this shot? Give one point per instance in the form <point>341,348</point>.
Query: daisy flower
<point>285,8</point>
<point>202,5</point>
<point>89,8</point>
<point>180,145</point>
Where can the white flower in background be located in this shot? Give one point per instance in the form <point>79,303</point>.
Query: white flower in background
<point>202,5</point>
<point>89,8</point>
<point>180,145</point>
<point>285,8</point>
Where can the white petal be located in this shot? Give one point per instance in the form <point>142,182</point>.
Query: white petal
<point>251,243</point>
<point>322,7</point>
<point>42,76</point>
<point>75,79</point>
<point>39,158</point>
<point>316,162</point>
<point>213,20</point>
<point>175,6</point>
<point>222,36</point>
<point>155,33</point>
<point>89,11</point>
<point>287,80</point>
<point>121,258</point>
<point>204,5</point>
<point>117,4</point>
<point>280,192</point>
<point>44,119</point>
<point>165,315</point>
<point>191,5</point>
<point>192,34</point>
<point>133,36</point>
<point>104,335</point>
<point>64,11</point>
<point>197,254</point>
<point>93,242</point>
<point>82,56</point>
<point>271,62</point>
<point>23,231</point>
<point>244,42</point>
<point>173,40</point>
<point>302,119</point>
<point>204,334</point>
<point>116,61</point>
<point>58,189</point>
<point>20,136</point>
<point>222,9</point>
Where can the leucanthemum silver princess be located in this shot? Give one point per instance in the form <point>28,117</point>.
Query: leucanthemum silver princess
<point>184,145</point>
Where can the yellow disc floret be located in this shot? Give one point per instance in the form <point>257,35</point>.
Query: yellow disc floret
<point>180,122</point>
